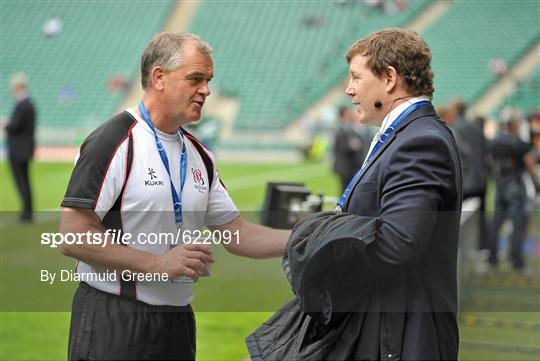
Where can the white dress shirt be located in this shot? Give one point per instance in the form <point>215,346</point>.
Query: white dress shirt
<point>389,119</point>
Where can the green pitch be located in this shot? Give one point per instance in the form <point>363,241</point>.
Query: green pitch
<point>220,335</point>
<point>248,290</point>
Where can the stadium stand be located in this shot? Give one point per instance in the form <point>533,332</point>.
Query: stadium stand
<point>69,73</point>
<point>278,58</point>
<point>469,35</point>
<point>526,96</point>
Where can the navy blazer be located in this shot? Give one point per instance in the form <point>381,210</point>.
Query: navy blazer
<point>20,131</point>
<point>413,185</point>
<point>400,287</point>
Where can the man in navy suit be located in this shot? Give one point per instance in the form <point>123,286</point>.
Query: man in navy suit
<point>20,140</point>
<point>411,181</point>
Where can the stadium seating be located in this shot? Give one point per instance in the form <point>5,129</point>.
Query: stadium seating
<point>526,96</point>
<point>277,58</point>
<point>469,35</point>
<point>69,73</point>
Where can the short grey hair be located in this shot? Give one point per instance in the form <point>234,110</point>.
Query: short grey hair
<point>19,79</point>
<point>165,50</point>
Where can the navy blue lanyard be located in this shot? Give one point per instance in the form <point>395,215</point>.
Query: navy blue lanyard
<point>382,139</point>
<point>177,197</point>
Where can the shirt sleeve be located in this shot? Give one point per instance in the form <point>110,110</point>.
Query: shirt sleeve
<point>100,168</point>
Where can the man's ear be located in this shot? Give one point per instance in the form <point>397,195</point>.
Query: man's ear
<point>157,77</point>
<point>391,77</point>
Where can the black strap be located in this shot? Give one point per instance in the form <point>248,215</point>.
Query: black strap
<point>208,163</point>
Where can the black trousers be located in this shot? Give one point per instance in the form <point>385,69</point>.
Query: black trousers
<point>110,327</point>
<point>19,169</point>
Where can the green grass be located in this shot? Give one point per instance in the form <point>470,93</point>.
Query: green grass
<point>220,335</point>
<point>48,182</point>
<point>34,335</point>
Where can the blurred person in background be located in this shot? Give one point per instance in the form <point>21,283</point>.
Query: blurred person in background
<point>118,83</point>
<point>317,129</point>
<point>52,27</point>
<point>447,114</point>
<point>498,66</point>
<point>534,136</point>
<point>351,143</point>
<point>534,129</point>
<point>474,152</point>
<point>21,140</point>
<point>479,122</point>
<point>207,130</point>
<point>511,158</point>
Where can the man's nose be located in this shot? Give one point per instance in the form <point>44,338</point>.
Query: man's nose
<point>205,89</point>
<point>349,90</point>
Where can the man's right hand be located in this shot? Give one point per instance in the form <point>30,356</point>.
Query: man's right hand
<point>189,260</point>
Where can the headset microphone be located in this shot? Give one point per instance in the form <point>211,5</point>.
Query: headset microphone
<point>377,104</point>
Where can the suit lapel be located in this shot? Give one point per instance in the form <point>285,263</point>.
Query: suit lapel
<point>422,112</point>
<point>389,140</point>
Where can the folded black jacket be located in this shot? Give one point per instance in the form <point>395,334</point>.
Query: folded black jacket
<point>325,254</point>
<point>350,303</point>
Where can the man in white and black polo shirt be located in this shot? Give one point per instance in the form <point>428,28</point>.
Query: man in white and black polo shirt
<point>141,173</point>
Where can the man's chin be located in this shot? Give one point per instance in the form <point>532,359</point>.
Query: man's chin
<point>194,117</point>
<point>189,120</point>
<point>192,120</point>
<point>366,122</point>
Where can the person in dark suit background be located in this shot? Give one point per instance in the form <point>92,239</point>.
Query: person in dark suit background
<point>351,143</point>
<point>20,140</point>
<point>411,180</point>
<point>476,162</point>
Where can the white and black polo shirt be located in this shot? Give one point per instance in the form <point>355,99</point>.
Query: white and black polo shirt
<point>119,174</point>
